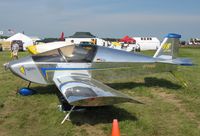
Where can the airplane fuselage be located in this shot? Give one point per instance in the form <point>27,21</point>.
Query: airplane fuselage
<point>42,69</point>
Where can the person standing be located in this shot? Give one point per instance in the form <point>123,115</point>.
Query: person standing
<point>14,50</point>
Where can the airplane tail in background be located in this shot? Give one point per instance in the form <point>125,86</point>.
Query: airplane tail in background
<point>168,51</point>
<point>62,38</point>
<point>169,47</point>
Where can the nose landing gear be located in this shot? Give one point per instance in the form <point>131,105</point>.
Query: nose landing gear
<point>25,91</point>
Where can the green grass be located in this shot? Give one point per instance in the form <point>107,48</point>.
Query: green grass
<point>169,108</point>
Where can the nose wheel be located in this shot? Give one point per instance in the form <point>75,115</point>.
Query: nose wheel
<point>25,91</point>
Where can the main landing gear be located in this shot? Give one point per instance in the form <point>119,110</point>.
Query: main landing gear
<point>68,114</point>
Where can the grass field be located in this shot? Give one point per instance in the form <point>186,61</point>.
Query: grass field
<point>169,108</point>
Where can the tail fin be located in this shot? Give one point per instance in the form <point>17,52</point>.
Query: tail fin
<point>62,38</point>
<point>169,47</point>
<point>168,51</point>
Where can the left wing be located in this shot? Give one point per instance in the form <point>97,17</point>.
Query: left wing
<point>84,91</point>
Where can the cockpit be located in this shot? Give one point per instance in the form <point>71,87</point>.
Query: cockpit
<point>71,53</point>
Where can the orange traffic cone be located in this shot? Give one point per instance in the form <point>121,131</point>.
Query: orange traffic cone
<point>115,128</point>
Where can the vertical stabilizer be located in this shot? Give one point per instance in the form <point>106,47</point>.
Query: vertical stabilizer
<point>169,47</point>
<point>62,38</point>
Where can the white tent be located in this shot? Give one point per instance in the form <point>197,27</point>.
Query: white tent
<point>27,41</point>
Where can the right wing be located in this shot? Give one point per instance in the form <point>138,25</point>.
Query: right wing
<point>84,91</point>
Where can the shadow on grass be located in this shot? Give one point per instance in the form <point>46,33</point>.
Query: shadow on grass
<point>97,115</point>
<point>50,89</point>
<point>89,115</point>
<point>148,82</point>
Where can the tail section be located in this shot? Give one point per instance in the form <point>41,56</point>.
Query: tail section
<point>168,51</point>
<point>169,47</point>
<point>62,38</point>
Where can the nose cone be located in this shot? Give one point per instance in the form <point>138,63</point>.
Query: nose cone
<point>17,66</point>
<point>6,66</point>
<point>27,69</point>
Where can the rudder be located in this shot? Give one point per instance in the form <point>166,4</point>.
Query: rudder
<point>169,47</point>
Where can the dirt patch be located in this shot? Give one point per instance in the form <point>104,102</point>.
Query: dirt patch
<point>172,99</point>
<point>3,133</point>
<point>91,130</point>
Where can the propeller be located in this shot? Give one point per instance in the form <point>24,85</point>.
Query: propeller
<point>6,66</point>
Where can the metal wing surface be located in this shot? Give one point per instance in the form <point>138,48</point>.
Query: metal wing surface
<point>84,91</point>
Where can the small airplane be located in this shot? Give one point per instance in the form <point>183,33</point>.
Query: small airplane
<point>71,69</point>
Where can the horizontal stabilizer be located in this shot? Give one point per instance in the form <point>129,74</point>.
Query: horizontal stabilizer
<point>183,61</point>
<point>179,61</point>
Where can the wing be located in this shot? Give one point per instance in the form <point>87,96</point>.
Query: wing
<point>84,91</point>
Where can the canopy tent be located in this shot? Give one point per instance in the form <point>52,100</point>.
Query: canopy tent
<point>82,35</point>
<point>27,41</point>
<point>127,39</point>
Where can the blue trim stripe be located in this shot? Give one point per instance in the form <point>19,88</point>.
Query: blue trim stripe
<point>54,69</point>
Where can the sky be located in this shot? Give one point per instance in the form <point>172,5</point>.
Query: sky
<point>103,18</point>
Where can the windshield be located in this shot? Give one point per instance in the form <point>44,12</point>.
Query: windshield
<point>78,53</point>
<point>50,56</point>
<point>70,53</point>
